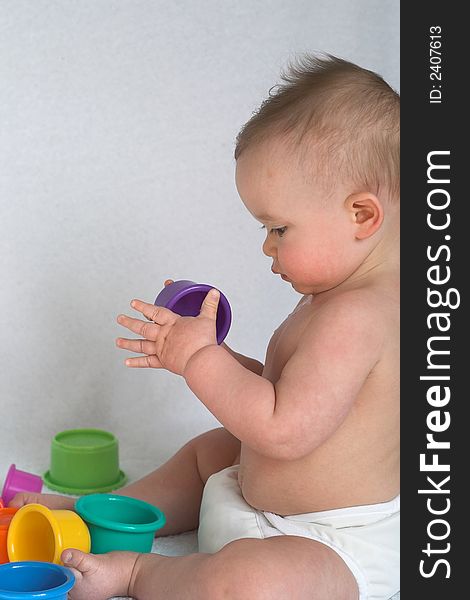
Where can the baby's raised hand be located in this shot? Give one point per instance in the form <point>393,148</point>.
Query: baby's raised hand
<point>168,340</point>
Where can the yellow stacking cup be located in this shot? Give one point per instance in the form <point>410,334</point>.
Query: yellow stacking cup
<point>39,533</point>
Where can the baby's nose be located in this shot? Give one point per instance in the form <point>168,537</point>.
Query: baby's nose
<point>268,248</point>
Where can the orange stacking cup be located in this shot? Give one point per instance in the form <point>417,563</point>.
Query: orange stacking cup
<point>6,515</point>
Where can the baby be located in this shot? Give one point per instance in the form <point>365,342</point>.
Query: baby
<point>297,495</point>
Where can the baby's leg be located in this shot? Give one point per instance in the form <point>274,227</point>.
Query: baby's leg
<point>275,568</point>
<point>176,487</point>
<point>272,569</point>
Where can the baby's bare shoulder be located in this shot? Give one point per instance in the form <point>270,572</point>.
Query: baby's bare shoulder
<point>366,302</point>
<point>356,317</point>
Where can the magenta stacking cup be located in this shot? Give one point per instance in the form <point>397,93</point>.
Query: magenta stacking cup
<point>20,481</point>
<point>185,298</point>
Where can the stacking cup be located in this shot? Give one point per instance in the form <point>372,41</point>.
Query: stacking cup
<point>185,298</point>
<point>6,515</point>
<point>39,533</point>
<point>19,481</point>
<point>31,579</point>
<point>119,523</point>
<point>84,461</point>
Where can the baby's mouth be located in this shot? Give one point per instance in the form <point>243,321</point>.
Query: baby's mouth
<point>284,277</point>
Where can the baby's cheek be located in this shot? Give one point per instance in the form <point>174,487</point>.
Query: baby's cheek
<point>313,266</point>
<point>321,268</point>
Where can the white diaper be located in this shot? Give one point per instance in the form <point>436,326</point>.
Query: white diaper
<point>366,537</point>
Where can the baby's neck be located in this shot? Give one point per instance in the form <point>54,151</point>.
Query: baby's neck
<point>383,260</point>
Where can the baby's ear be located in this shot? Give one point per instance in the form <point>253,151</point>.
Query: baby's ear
<point>366,213</point>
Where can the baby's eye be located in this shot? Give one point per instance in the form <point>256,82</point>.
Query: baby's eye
<point>280,231</point>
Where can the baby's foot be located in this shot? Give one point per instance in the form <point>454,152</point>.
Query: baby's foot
<point>99,576</point>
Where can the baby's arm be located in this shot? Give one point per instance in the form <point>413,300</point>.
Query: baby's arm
<point>249,363</point>
<point>318,385</point>
<point>287,418</point>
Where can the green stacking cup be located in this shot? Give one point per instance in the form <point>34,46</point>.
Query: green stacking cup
<point>119,523</point>
<point>84,461</point>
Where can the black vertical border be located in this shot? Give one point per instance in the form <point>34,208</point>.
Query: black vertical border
<point>428,127</point>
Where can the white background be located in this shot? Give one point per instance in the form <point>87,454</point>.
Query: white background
<point>117,125</point>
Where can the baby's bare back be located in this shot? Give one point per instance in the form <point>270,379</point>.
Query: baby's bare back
<point>358,463</point>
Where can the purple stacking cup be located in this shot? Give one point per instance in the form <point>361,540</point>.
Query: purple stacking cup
<point>19,481</point>
<point>185,298</point>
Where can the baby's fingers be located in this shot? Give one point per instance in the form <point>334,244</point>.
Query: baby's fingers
<point>144,362</point>
<point>143,328</point>
<point>139,346</point>
<point>157,314</point>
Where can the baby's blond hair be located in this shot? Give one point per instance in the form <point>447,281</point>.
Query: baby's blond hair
<point>344,119</point>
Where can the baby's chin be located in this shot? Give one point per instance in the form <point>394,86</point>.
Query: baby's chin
<point>307,289</point>
<point>300,288</point>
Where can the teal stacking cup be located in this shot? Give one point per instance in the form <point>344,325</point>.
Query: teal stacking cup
<point>119,523</point>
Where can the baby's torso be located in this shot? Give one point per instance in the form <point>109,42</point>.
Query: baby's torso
<point>358,464</point>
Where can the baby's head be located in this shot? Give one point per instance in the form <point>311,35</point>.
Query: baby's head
<point>321,155</point>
